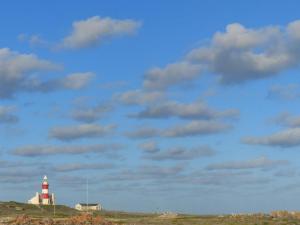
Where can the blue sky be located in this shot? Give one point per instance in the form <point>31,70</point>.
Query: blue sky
<point>187,106</point>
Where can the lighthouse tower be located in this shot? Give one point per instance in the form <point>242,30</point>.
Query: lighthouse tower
<point>45,192</point>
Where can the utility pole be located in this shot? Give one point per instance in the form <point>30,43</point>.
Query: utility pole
<point>54,203</point>
<point>54,209</point>
<point>87,194</point>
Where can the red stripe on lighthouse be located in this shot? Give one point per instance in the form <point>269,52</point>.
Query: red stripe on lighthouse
<point>45,186</point>
<point>45,196</point>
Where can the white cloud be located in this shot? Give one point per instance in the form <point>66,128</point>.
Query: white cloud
<point>74,81</point>
<point>147,172</point>
<point>194,110</point>
<point>293,29</point>
<point>286,138</point>
<point>90,114</point>
<point>139,97</point>
<point>180,153</point>
<point>16,70</point>
<point>172,74</point>
<point>142,132</point>
<point>192,128</point>
<point>43,150</point>
<point>240,54</point>
<point>68,133</point>
<point>94,30</point>
<point>239,37</point>
<point>195,128</point>
<point>20,73</point>
<point>286,119</point>
<point>260,162</point>
<point>82,166</point>
<point>236,55</point>
<point>77,80</point>
<point>149,147</point>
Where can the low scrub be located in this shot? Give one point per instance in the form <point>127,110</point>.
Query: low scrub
<point>84,219</point>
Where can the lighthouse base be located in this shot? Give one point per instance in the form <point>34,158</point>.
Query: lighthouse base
<point>38,200</point>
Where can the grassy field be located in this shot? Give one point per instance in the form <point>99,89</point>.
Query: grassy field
<point>9,210</point>
<point>15,208</point>
<point>137,219</point>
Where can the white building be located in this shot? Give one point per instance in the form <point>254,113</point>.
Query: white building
<point>88,207</point>
<point>35,200</point>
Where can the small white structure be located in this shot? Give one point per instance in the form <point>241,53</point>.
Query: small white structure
<point>35,200</point>
<point>44,198</point>
<point>88,207</point>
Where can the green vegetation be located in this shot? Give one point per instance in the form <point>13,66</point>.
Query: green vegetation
<point>133,219</point>
<point>15,208</point>
<point>10,210</point>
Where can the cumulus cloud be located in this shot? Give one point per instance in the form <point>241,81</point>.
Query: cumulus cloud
<point>286,119</point>
<point>95,30</point>
<point>240,54</point>
<point>73,81</point>
<point>17,175</point>
<point>172,74</point>
<point>260,162</point>
<point>68,133</point>
<point>194,110</point>
<point>149,147</point>
<point>77,80</point>
<point>181,153</point>
<point>237,55</point>
<point>20,73</point>
<point>139,97</point>
<point>195,128</point>
<point>7,114</point>
<point>4,164</point>
<point>285,138</point>
<point>82,166</point>
<point>40,150</point>
<point>16,70</point>
<point>114,84</point>
<point>293,30</point>
<point>225,178</point>
<point>142,133</point>
<point>192,128</point>
<point>147,172</point>
<point>288,137</point>
<point>164,176</point>
<point>159,171</point>
<point>90,114</point>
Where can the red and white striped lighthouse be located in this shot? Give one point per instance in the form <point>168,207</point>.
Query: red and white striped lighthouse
<point>44,198</point>
<point>45,191</point>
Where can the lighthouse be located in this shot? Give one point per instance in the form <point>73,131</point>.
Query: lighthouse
<point>45,191</point>
<point>44,198</point>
